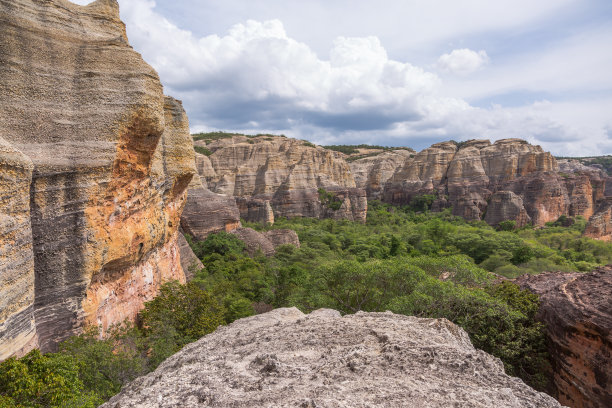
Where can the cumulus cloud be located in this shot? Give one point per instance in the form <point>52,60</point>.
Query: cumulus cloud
<point>257,78</point>
<point>462,61</point>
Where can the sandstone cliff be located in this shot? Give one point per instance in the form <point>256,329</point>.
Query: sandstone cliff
<point>110,158</point>
<point>577,309</point>
<point>284,175</point>
<point>287,359</point>
<point>507,180</point>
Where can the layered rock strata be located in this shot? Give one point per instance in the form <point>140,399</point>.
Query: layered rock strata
<point>111,157</point>
<point>577,310</point>
<point>266,242</point>
<point>206,212</point>
<point>285,174</point>
<point>17,329</point>
<point>285,358</point>
<point>507,180</point>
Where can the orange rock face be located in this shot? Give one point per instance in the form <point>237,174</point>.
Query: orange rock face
<point>111,159</point>
<point>577,309</point>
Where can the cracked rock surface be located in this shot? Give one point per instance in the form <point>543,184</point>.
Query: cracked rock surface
<point>287,359</point>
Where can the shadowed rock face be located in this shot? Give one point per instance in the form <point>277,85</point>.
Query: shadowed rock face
<point>284,172</point>
<point>17,330</point>
<point>285,358</point>
<point>577,309</point>
<point>111,156</point>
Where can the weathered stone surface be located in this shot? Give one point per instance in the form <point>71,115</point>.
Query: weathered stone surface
<point>505,205</point>
<point>189,261</point>
<point>544,196</point>
<point>283,236</point>
<point>206,212</point>
<point>577,310</point>
<point>286,172</point>
<point>112,158</point>
<point>287,359</point>
<point>372,173</point>
<point>600,224</point>
<point>255,241</point>
<point>467,178</point>
<point>17,329</point>
<point>255,210</point>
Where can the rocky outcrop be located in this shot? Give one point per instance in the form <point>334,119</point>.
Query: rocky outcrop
<point>207,212</point>
<point>506,206</point>
<point>266,242</point>
<point>255,241</point>
<point>17,329</point>
<point>189,261</point>
<point>600,225</point>
<point>111,159</point>
<point>507,180</point>
<point>577,310</point>
<point>286,173</point>
<point>283,237</point>
<point>373,172</point>
<point>285,358</point>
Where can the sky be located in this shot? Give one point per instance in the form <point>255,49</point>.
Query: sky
<point>387,72</point>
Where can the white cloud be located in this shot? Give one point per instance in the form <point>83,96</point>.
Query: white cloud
<point>463,61</point>
<point>257,77</point>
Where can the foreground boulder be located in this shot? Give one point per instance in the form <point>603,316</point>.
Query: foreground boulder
<point>287,359</point>
<point>109,158</point>
<point>577,310</point>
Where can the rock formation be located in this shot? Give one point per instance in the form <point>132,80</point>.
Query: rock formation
<point>600,225</point>
<point>287,359</point>
<point>283,174</point>
<point>507,180</point>
<point>110,159</point>
<point>266,242</point>
<point>207,212</point>
<point>17,330</point>
<point>373,172</point>
<point>189,261</point>
<point>577,310</point>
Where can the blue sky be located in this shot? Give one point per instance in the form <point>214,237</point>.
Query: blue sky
<point>391,72</point>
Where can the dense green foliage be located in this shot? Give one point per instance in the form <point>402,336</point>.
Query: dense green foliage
<point>406,260</point>
<point>202,150</point>
<point>329,200</point>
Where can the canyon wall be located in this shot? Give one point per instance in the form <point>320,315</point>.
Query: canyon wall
<point>288,176</point>
<point>509,179</point>
<point>110,159</point>
<point>577,310</point>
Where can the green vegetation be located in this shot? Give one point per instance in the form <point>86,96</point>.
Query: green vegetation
<point>202,150</point>
<point>604,161</point>
<point>354,150</point>
<point>212,136</point>
<point>329,200</point>
<point>406,260</point>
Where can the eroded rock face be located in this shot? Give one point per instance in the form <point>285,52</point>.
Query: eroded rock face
<point>17,329</point>
<point>112,158</point>
<point>207,212</point>
<point>285,358</point>
<point>266,242</point>
<point>285,172</point>
<point>372,173</point>
<point>189,261</point>
<point>600,225</point>
<point>577,309</point>
<point>505,205</point>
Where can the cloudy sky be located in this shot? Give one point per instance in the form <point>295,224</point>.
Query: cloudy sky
<point>390,72</point>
